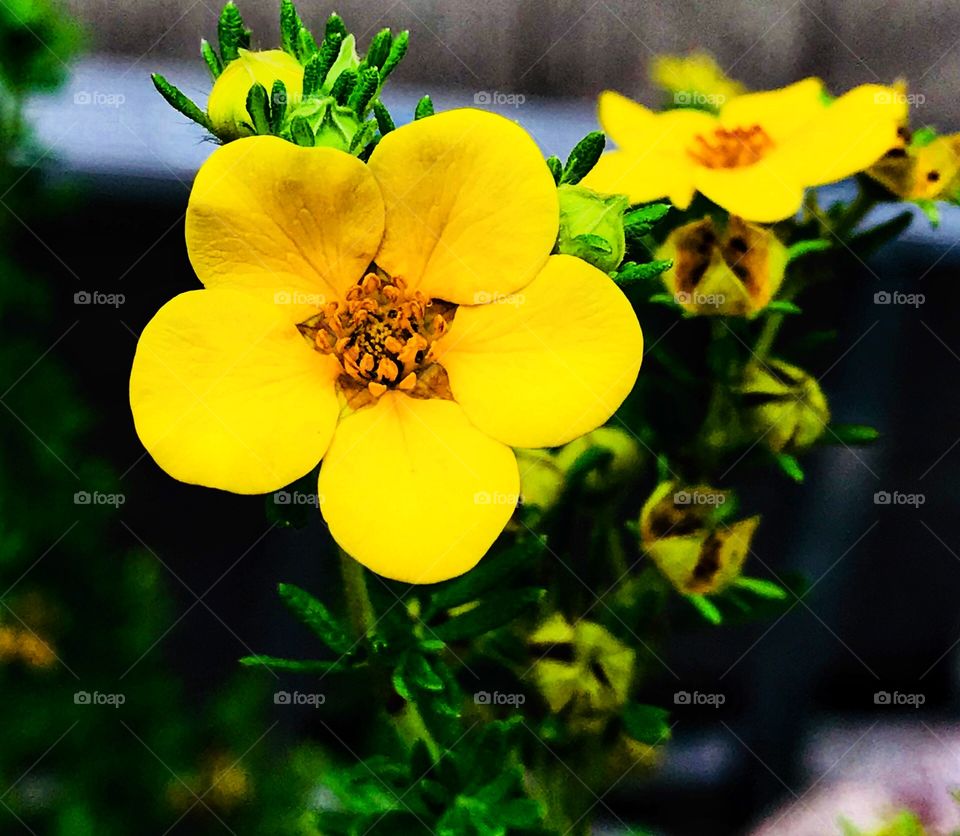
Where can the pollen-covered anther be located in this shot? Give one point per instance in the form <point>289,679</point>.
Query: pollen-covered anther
<point>731,148</point>
<point>382,334</point>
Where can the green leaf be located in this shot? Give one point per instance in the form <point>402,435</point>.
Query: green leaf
<point>783,306</point>
<point>583,157</point>
<point>923,137</point>
<point>762,588</point>
<point>931,210</point>
<point>595,242</point>
<point>278,106</point>
<point>492,612</point>
<point>706,608</point>
<point>335,26</point>
<point>646,723</point>
<point>556,168</point>
<point>632,272</point>
<point>383,117</point>
<point>866,243</point>
<point>368,82</point>
<point>290,26</point>
<point>315,615</point>
<point>424,109</point>
<point>851,434</point>
<point>790,466</point>
<point>418,671</point>
<point>318,65</point>
<point>180,102</point>
<point>640,221</point>
<point>400,685</point>
<point>363,137</point>
<point>232,34</point>
<point>301,133</point>
<point>306,45</point>
<point>211,58</point>
<point>397,51</point>
<point>802,248</point>
<point>379,49</point>
<point>258,106</point>
<point>294,665</point>
<point>343,86</point>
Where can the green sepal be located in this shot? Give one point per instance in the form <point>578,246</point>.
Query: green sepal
<point>631,272</point>
<point>790,466</point>
<point>556,168</point>
<point>851,434</point>
<point>258,107</point>
<point>301,133</point>
<point>368,82</point>
<point>492,612</point>
<point>180,102</point>
<point>231,33</point>
<point>278,106</point>
<point>211,58</point>
<point>423,109</point>
<point>379,49</point>
<point>397,50</point>
<point>646,723</point>
<point>343,86</point>
<point>583,157</point>
<point>315,615</point>
<point>383,117</point>
<point>294,665</point>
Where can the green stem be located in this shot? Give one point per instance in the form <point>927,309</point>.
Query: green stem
<point>854,213</point>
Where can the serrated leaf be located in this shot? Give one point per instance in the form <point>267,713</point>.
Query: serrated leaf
<point>851,434</point>
<point>211,59</point>
<point>315,615</point>
<point>583,157</point>
<point>648,724</point>
<point>790,466</point>
<point>293,665</point>
<point>632,272</point>
<point>231,33</point>
<point>180,102</point>
<point>492,612</point>
<point>258,107</point>
<point>397,50</point>
<point>424,109</point>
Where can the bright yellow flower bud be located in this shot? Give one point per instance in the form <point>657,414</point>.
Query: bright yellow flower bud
<point>227,106</point>
<point>735,271</point>
<point>695,553</point>
<point>783,405</point>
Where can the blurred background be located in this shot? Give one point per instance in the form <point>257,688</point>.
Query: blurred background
<point>95,206</point>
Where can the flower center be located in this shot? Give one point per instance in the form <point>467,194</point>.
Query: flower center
<point>383,336</point>
<point>731,148</point>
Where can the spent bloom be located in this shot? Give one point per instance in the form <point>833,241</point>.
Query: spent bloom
<point>404,321</point>
<point>755,156</point>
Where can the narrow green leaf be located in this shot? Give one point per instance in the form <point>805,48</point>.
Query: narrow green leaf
<point>290,26</point>
<point>706,608</point>
<point>335,26</point>
<point>294,665</point>
<point>363,137</point>
<point>301,133</point>
<point>368,82</point>
<point>231,33</point>
<point>640,221</point>
<point>424,109</point>
<point>419,672</point>
<point>397,50</point>
<point>315,615</point>
<point>761,588</point>
<point>306,45</point>
<point>802,248</point>
<point>851,434</point>
<point>790,466</point>
<point>180,102</point>
<point>211,59</point>
<point>491,613</point>
<point>647,723</point>
<point>583,157</point>
<point>632,272</point>
<point>556,168</point>
<point>866,243</point>
<point>319,64</point>
<point>383,117</point>
<point>278,106</point>
<point>379,49</point>
<point>258,106</point>
<point>400,685</point>
<point>343,86</point>
<point>783,306</point>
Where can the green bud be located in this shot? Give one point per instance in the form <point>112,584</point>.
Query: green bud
<point>346,60</point>
<point>332,125</point>
<point>591,226</point>
<point>625,458</point>
<point>541,480</point>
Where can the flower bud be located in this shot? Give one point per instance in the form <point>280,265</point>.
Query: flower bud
<point>625,460</point>
<point>731,272</point>
<point>582,668</point>
<point>680,532</point>
<point>783,405</point>
<point>591,226</point>
<point>333,125</point>
<point>227,106</point>
<point>541,480</point>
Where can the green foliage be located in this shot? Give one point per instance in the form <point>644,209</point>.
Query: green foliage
<point>583,158</point>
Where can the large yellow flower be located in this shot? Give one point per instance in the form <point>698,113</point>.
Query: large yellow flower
<point>412,377</point>
<point>756,156</point>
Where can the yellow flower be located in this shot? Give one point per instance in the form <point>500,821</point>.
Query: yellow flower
<point>694,80</point>
<point>929,171</point>
<point>227,106</point>
<point>733,272</point>
<point>756,156</point>
<point>412,379</point>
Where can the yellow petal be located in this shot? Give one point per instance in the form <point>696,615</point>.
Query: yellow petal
<point>471,206</point>
<point>295,226</point>
<point>227,106</point>
<point>781,113</point>
<point>643,177</point>
<point>637,128</point>
<point>548,364</point>
<point>413,491</point>
<point>764,192</point>
<point>851,134</point>
<point>227,394</point>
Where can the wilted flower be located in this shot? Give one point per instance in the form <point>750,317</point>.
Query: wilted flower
<point>756,156</point>
<point>734,271</point>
